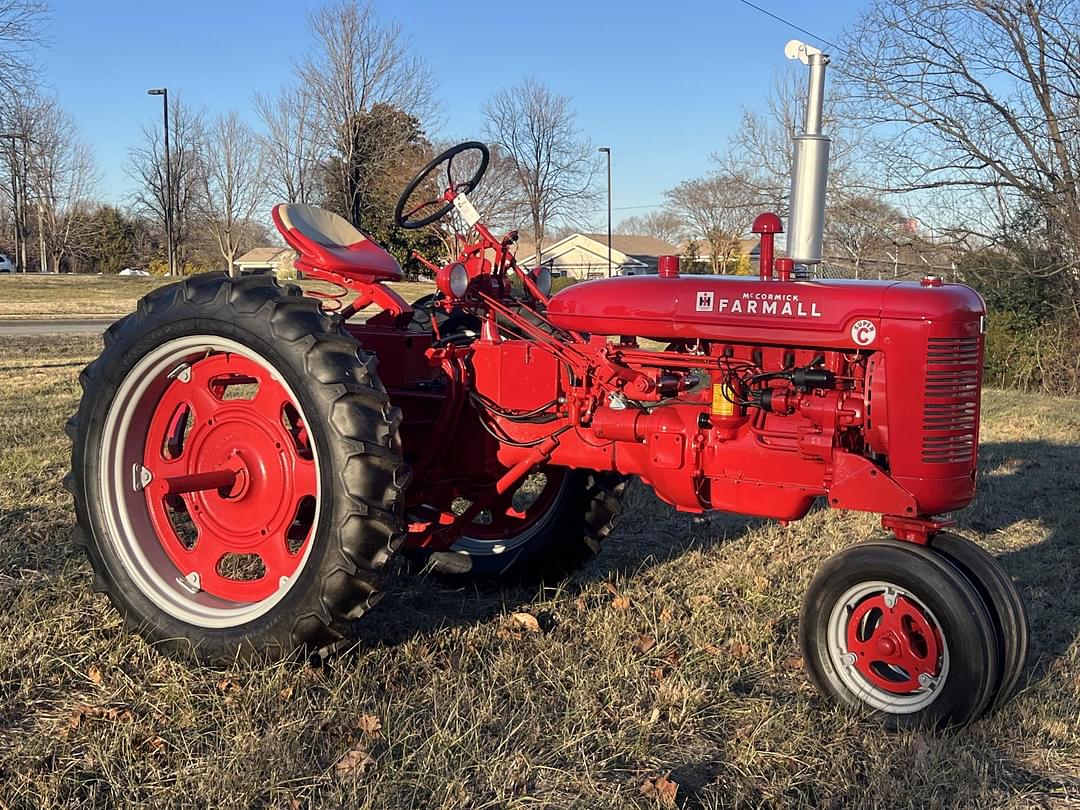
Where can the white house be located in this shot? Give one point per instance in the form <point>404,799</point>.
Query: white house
<point>585,255</point>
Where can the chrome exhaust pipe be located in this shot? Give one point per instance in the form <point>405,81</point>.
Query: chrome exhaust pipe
<point>810,167</point>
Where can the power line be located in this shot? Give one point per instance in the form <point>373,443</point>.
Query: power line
<point>789,24</point>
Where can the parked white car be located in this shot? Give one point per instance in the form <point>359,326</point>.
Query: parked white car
<point>131,271</point>
<point>6,265</point>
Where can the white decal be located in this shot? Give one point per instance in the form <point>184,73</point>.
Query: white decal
<point>863,332</point>
<point>704,301</point>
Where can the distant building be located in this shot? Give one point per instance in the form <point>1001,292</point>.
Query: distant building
<point>274,259</point>
<point>585,255</point>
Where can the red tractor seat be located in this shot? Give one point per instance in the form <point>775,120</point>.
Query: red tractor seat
<point>328,242</point>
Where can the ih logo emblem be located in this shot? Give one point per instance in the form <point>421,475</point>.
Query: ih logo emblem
<point>705,301</point>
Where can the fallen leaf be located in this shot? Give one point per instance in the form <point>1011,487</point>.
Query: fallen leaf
<point>579,603</point>
<point>369,724</point>
<point>226,685</point>
<point>84,712</point>
<point>795,662</point>
<point>611,588</point>
<point>286,693</point>
<point>661,788</point>
<point>712,649</point>
<point>155,743</point>
<point>644,644</point>
<point>700,599</point>
<point>94,674</point>
<point>666,616</point>
<point>526,621</point>
<point>658,674</point>
<point>354,761</point>
<point>621,603</point>
<point>737,649</point>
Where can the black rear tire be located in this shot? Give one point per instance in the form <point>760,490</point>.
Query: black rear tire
<point>967,668</point>
<point>569,534</point>
<point>350,423</point>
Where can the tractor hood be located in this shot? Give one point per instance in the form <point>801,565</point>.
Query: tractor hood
<point>827,313</point>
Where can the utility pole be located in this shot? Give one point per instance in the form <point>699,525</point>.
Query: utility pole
<point>607,151</point>
<point>170,253</point>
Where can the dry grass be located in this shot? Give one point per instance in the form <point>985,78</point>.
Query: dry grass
<point>36,296</point>
<point>693,671</point>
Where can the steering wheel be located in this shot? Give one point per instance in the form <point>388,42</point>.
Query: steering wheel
<point>404,219</point>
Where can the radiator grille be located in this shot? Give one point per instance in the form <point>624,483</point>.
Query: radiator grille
<point>951,410</point>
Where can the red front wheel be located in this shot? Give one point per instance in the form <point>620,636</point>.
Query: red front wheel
<point>897,629</point>
<point>236,470</point>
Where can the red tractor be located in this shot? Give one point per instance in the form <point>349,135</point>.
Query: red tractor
<point>247,459</point>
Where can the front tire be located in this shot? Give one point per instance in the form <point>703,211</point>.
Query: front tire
<point>236,471</point>
<point>897,630</point>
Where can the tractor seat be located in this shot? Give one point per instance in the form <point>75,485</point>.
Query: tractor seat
<point>328,242</point>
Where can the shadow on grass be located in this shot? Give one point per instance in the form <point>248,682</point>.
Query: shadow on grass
<point>418,604</point>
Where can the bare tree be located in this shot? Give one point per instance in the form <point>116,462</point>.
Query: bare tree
<point>859,228</point>
<point>665,225</point>
<point>146,165</point>
<point>719,210</point>
<point>62,176</point>
<point>232,183</point>
<point>22,25</point>
<point>976,95</point>
<point>289,144</point>
<point>554,164</point>
<point>361,76</point>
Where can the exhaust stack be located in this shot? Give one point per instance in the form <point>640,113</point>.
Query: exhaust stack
<point>810,167</point>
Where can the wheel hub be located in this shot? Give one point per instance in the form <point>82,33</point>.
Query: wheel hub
<point>894,645</point>
<point>229,470</point>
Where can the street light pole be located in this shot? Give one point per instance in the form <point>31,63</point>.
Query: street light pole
<point>169,252</point>
<point>607,150</point>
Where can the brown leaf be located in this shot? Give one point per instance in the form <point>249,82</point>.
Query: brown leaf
<point>661,788</point>
<point>525,621</point>
<point>666,616</point>
<point>611,588</point>
<point>701,599</point>
<point>737,649</point>
<point>155,743</point>
<point>369,724</point>
<point>226,685</point>
<point>621,603</point>
<point>795,662</point>
<point>94,674</point>
<point>580,605</point>
<point>644,644</point>
<point>658,674</point>
<point>286,693</point>
<point>354,761</point>
<point>712,649</point>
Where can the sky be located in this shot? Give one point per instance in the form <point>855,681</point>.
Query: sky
<point>661,84</point>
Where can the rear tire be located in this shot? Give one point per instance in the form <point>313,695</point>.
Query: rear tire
<point>897,630</point>
<point>581,514</point>
<point>324,427</point>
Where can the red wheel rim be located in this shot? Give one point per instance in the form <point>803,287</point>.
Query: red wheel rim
<point>514,514</point>
<point>229,479</point>
<point>895,646</point>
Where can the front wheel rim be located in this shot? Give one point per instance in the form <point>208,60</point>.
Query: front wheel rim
<point>887,648</point>
<point>210,481</point>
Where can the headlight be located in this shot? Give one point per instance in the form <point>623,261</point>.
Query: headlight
<point>453,280</point>
<point>459,280</point>
<point>542,279</point>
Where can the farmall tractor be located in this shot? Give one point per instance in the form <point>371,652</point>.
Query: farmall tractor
<point>247,458</point>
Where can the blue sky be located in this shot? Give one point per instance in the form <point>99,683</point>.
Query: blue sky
<point>661,84</point>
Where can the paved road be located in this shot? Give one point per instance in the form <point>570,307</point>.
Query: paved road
<point>55,326</point>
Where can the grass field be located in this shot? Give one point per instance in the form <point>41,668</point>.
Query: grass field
<point>672,656</point>
<point>37,296</point>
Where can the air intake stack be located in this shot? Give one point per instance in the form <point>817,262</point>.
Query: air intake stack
<point>810,167</point>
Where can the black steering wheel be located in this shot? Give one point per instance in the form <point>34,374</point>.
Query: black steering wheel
<point>404,219</point>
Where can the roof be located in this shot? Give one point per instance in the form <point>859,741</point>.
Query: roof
<point>265,255</point>
<point>633,245</point>
<point>626,248</point>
